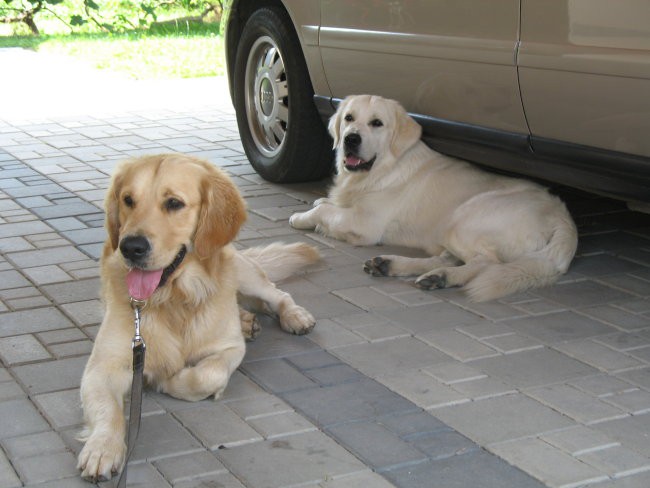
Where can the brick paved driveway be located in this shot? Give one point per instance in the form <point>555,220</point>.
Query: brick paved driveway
<point>394,387</point>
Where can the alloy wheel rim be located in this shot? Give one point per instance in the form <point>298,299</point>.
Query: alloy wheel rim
<point>267,96</point>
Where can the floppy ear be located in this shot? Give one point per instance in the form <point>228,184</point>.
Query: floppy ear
<point>407,131</point>
<point>222,213</point>
<point>335,122</point>
<point>112,208</point>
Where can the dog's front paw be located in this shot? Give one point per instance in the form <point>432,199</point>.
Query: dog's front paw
<point>377,266</point>
<point>101,457</point>
<point>296,320</point>
<point>300,220</point>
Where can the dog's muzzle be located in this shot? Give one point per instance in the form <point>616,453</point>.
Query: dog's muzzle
<point>135,250</point>
<point>353,162</point>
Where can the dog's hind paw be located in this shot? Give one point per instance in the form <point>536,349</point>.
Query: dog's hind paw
<point>250,326</point>
<point>429,281</point>
<point>377,266</point>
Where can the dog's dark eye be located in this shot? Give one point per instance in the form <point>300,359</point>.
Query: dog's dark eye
<point>376,123</point>
<point>128,201</point>
<point>172,204</point>
<point>349,118</point>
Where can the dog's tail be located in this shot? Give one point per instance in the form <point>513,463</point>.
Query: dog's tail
<point>279,260</point>
<point>536,269</point>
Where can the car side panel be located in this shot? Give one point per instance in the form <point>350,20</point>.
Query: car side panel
<point>451,60</point>
<point>584,69</point>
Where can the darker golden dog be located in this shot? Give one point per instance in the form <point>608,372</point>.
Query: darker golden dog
<point>170,220</point>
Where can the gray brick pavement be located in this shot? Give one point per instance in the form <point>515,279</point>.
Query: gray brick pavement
<point>395,386</point>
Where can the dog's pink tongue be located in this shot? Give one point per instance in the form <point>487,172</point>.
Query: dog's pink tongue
<point>142,283</point>
<point>352,161</point>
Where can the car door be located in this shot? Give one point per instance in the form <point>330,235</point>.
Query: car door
<point>453,60</point>
<point>584,68</point>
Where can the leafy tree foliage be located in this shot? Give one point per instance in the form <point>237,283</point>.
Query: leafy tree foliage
<point>103,15</point>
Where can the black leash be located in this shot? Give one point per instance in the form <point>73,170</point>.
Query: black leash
<point>138,346</point>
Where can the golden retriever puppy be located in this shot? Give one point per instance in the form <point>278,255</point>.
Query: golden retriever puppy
<point>170,220</point>
<point>491,234</point>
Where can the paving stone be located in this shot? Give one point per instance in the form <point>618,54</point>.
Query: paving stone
<point>8,477</point>
<point>457,345</point>
<point>142,475</point>
<point>22,349</point>
<point>388,357</point>
<point>313,360</point>
<point>553,467</point>
<point>511,417</point>
<point>51,376</point>
<point>601,385</point>
<point>44,275</point>
<point>624,341</point>
<point>190,466</point>
<point>634,402</point>
<point>598,355</point>
<point>79,348</point>
<point>10,390</point>
<point>12,279</point>
<point>358,480</point>
<point>73,292</point>
<point>216,425</point>
<point>641,480</point>
<point>44,257</point>
<point>33,445</point>
<point>277,375</point>
<point>60,336</point>
<point>61,408</point>
<point>23,229</point>
<point>579,440</point>
<point>616,461</point>
<point>221,480</point>
<point>482,388</point>
<point>334,375</point>
<point>575,404</point>
<point>162,436</point>
<point>85,313</point>
<point>461,472</point>
<point>617,317</point>
<point>581,294</point>
<point>375,445</point>
<point>558,327</point>
<point>19,418</point>
<point>309,457</point>
<point>274,343</point>
<point>640,377</point>
<point>366,298</point>
<point>430,317</point>
<point>261,405</point>
<point>46,467</point>
<point>328,334</point>
<point>347,402</point>
<point>412,424</point>
<point>533,368</point>
<point>443,444</point>
<point>632,432</point>
<point>422,389</point>
<point>280,425</point>
<point>512,343</point>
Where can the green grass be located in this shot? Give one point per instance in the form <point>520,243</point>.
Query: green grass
<point>165,51</point>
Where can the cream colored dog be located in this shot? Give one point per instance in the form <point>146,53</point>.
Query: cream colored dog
<point>170,220</point>
<point>491,234</point>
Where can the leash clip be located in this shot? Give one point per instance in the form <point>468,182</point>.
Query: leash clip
<point>137,306</point>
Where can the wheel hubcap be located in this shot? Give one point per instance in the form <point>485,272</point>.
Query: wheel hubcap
<point>267,100</point>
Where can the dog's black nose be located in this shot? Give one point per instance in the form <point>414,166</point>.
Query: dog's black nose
<point>352,141</point>
<point>135,248</point>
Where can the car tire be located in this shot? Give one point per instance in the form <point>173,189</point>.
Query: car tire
<point>282,133</point>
